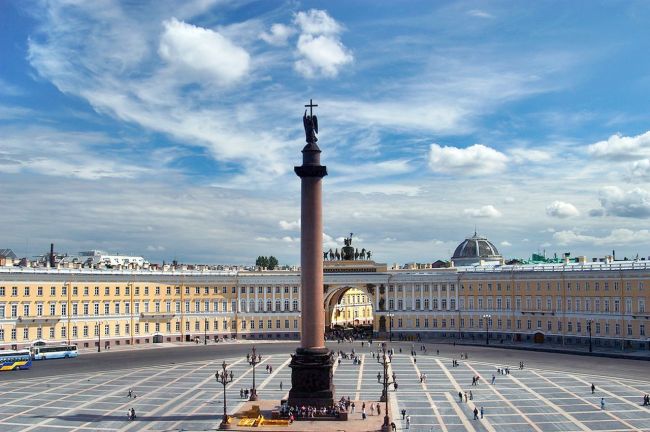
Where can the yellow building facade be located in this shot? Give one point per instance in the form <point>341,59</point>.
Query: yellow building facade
<point>559,303</point>
<point>353,309</point>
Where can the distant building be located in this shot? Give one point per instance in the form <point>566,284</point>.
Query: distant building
<point>7,257</point>
<point>476,250</point>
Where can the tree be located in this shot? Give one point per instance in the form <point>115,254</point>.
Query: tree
<point>262,261</point>
<point>270,262</point>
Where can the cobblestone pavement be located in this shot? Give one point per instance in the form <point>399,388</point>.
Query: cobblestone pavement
<point>185,396</point>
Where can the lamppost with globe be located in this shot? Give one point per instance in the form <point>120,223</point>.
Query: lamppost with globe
<point>487,318</point>
<point>384,360</point>
<point>253,359</point>
<point>224,378</point>
<point>589,329</point>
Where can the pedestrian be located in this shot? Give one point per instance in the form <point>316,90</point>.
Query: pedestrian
<point>372,409</point>
<point>475,413</point>
<point>403,414</point>
<point>465,396</point>
<point>363,406</point>
<point>493,379</point>
<point>460,397</point>
<point>437,352</point>
<point>130,393</point>
<point>593,388</point>
<point>602,403</point>
<point>471,396</point>
<point>408,422</point>
<point>481,412</point>
<point>393,427</point>
<point>378,409</point>
<point>353,407</point>
<point>241,393</point>
<point>378,377</point>
<point>280,385</point>
<point>128,414</point>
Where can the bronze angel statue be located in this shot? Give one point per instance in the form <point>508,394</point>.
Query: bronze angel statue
<point>311,127</point>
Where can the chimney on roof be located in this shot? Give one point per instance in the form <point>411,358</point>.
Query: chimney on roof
<point>613,255</point>
<point>52,255</point>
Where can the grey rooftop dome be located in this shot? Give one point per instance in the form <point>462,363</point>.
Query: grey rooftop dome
<point>475,247</point>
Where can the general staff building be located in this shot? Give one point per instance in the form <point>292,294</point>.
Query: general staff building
<point>564,302</point>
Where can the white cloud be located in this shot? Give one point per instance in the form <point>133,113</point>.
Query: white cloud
<point>289,226</point>
<point>505,243</point>
<point>278,35</point>
<point>634,203</point>
<point>562,210</point>
<point>523,155</point>
<point>639,170</point>
<point>319,48</point>
<point>620,236</point>
<point>621,147</point>
<point>486,211</point>
<point>321,55</point>
<point>474,160</point>
<point>202,53</point>
<point>317,21</point>
<point>479,14</point>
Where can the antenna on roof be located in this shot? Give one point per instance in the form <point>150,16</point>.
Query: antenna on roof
<point>475,230</point>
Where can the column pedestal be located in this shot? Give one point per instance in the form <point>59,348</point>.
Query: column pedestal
<point>312,379</point>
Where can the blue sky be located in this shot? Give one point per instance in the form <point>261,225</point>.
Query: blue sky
<point>170,129</point>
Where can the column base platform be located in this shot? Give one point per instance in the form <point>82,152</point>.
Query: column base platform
<point>312,378</point>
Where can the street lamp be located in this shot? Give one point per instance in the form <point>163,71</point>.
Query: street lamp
<point>253,360</point>
<point>224,378</point>
<point>98,326</point>
<point>589,330</point>
<point>205,332</point>
<point>384,360</point>
<point>390,316</point>
<point>487,318</point>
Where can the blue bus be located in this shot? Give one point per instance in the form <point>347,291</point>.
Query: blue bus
<point>54,352</point>
<point>15,360</point>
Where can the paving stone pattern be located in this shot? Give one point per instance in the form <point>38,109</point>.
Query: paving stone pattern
<point>187,397</point>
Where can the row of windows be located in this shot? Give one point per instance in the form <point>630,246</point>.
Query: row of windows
<point>424,287</point>
<point>578,304</point>
<point>576,286</point>
<point>419,304</point>
<point>529,325</point>
<point>136,290</point>
<point>117,328</point>
<point>198,306</point>
<point>599,304</point>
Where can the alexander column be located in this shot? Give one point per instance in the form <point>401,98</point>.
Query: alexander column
<point>311,366</point>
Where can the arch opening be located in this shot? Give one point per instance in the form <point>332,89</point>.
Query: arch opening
<point>349,311</point>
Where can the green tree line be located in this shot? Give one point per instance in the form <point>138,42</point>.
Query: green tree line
<point>269,262</point>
